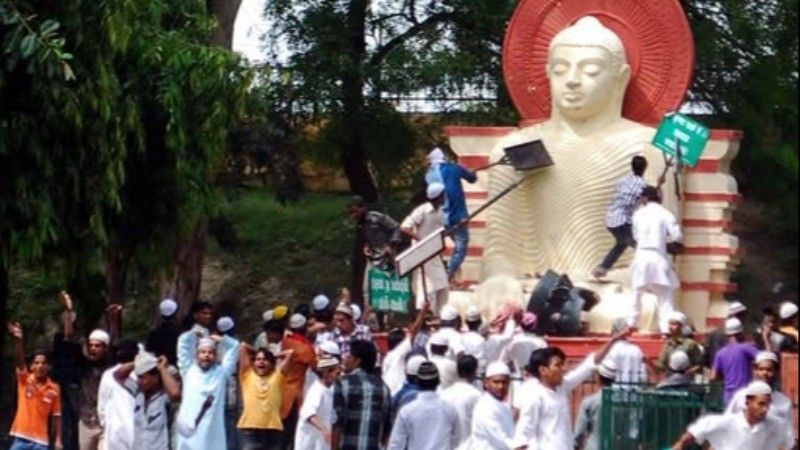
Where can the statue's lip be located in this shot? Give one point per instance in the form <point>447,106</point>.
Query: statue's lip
<point>572,96</point>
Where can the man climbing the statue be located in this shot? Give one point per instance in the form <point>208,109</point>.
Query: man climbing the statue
<point>620,213</point>
<point>651,272</point>
<point>455,206</point>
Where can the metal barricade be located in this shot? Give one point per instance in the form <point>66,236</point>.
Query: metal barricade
<point>650,419</point>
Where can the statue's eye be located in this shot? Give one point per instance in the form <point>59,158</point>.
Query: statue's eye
<point>559,69</point>
<point>592,69</point>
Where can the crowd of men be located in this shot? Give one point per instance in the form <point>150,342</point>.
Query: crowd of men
<point>316,380</point>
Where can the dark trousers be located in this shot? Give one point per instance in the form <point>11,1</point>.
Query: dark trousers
<point>624,239</point>
<point>253,439</point>
<point>289,427</point>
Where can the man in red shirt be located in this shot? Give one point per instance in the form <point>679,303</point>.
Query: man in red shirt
<point>38,397</point>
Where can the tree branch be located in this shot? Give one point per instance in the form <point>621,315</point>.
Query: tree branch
<point>412,32</point>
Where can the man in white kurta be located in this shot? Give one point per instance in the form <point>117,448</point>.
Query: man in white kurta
<point>448,372</point>
<point>463,395</point>
<point>428,422</point>
<point>316,415</point>
<point>545,421</point>
<point>492,419</point>
<point>115,404</point>
<point>752,428</point>
<point>425,220</point>
<point>781,408</point>
<point>653,227</point>
<point>628,359</point>
<point>203,377</point>
<point>473,341</point>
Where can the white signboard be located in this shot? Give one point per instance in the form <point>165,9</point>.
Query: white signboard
<point>420,253</point>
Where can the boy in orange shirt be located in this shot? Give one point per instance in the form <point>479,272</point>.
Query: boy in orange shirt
<point>38,397</point>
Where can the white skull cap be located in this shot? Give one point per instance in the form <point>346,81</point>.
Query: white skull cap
<point>758,388</point>
<point>736,308</point>
<point>733,326</point>
<point>413,363</point>
<point>608,369</point>
<point>330,348</point>
<point>766,356</point>
<point>679,361</point>
<point>167,307</point>
<point>356,311</point>
<point>448,313</point>
<point>297,321</point>
<point>225,324</point>
<point>320,302</point>
<point>788,309</point>
<point>497,368</point>
<point>100,336</point>
<point>434,190</point>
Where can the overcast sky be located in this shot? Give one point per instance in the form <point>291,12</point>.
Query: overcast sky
<point>248,29</point>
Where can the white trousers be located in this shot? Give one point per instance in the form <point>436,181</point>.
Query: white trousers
<point>666,304</point>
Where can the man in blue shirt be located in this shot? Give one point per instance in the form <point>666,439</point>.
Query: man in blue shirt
<point>455,206</point>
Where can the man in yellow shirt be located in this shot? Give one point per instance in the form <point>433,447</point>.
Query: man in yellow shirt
<point>261,380</point>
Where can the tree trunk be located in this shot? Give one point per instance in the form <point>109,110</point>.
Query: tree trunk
<point>353,149</point>
<point>115,272</point>
<point>188,268</point>
<point>225,11</point>
<point>190,252</point>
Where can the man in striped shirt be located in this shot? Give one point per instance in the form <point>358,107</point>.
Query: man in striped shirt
<point>620,213</point>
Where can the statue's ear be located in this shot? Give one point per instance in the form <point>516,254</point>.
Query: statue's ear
<point>625,75</point>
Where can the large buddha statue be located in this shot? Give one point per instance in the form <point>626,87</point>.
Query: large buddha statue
<point>555,219</point>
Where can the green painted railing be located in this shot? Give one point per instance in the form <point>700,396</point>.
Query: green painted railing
<point>649,419</point>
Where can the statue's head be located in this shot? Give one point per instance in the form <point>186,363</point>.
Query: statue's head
<point>588,70</point>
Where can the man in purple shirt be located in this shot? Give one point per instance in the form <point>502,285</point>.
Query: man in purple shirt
<point>733,363</point>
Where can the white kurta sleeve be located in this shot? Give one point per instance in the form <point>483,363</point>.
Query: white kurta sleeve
<point>231,358</point>
<point>578,375</point>
<point>674,233</point>
<point>187,345</point>
<point>311,404</point>
<point>705,426</point>
<point>525,432</point>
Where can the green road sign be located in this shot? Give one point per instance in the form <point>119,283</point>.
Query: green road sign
<point>388,292</point>
<point>677,129</point>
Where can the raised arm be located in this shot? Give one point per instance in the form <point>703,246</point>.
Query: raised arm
<point>171,385</point>
<point>114,312</point>
<point>601,354</point>
<point>66,301</point>
<point>187,346</point>
<point>287,359</point>
<point>246,352</point>
<point>124,372</point>
<point>231,357</point>
<point>419,320</point>
<point>15,330</point>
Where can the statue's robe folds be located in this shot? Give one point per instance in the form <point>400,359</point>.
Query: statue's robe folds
<point>556,218</point>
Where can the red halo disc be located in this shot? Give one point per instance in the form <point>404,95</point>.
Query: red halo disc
<point>658,43</point>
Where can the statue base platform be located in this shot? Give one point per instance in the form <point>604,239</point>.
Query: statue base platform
<point>616,300</point>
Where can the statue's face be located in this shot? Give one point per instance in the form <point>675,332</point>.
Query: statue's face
<point>584,81</point>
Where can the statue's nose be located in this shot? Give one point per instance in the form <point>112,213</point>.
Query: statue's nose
<point>574,78</point>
